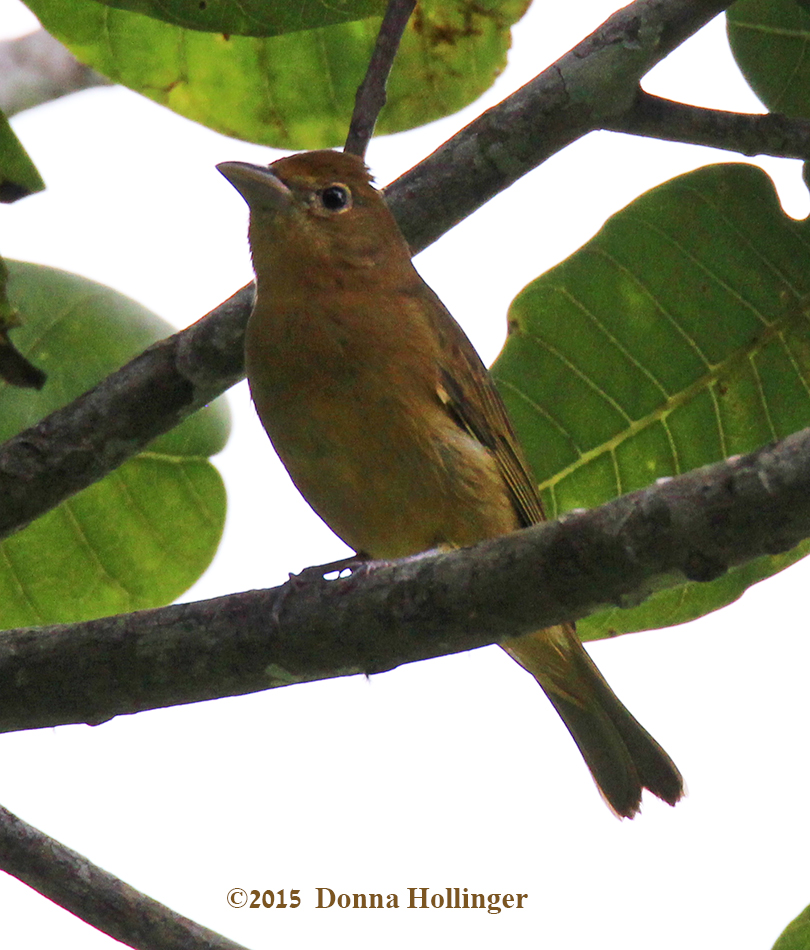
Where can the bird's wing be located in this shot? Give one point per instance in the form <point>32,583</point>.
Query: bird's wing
<point>470,396</point>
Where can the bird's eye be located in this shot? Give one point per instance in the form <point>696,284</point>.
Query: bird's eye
<point>336,198</point>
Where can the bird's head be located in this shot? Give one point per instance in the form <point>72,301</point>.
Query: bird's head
<point>313,211</point>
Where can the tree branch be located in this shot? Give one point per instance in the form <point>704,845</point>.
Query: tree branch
<point>36,68</point>
<point>694,527</point>
<point>768,134</point>
<point>96,897</point>
<point>587,87</point>
<point>370,97</point>
<point>79,444</point>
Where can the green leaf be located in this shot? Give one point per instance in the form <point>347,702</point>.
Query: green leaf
<point>18,174</point>
<point>796,936</point>
<point>769,40</point>
<point>251,17</point>
<point>8,315</point>
<point>294,91</point>
<point>14,367</point>
<point>146,532</point>
<point>678,336</point>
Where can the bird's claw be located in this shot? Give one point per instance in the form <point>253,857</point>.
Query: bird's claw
<point>357,565</point>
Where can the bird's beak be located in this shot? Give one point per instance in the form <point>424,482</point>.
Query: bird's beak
<point>257,185</point>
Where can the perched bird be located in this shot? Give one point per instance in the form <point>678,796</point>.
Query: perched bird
<point>391,427</point>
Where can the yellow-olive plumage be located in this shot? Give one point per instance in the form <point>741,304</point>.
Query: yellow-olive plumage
<point>390,425</point>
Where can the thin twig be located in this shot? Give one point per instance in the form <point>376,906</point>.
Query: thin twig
<point>95,896</point>
<point>769,134</point>
<point>694,527</point>
<point>370,98</point>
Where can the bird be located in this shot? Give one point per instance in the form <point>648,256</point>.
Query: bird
<point>391,427</point>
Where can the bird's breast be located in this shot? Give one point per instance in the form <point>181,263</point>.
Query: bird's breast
<point>349,400</point>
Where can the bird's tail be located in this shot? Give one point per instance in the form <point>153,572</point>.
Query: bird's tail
<point>622,756</point>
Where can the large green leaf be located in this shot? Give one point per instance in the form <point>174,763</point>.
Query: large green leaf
<point>796,936</point>
<point>18,174</point>
<point>293,91</point>
<point>146,532</point>
<point>676,337</point>
<point>251,17</point>
<point>770,40</point>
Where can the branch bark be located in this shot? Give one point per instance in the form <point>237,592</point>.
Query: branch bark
<point>590,85</point>
<point>36,68</point>
<point>95,896</point>
<point>768,134</point>
<point>82,442</point>
<point>694,527</point>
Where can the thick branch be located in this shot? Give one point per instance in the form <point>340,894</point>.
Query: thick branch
<point>96,897</point>
<point>36,68</point>
<point>769,134</point>
<point>693,527</point>
<point>79,444</point>
<point>371,98</point>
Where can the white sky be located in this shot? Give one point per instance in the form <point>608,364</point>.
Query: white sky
<point>449,773</point>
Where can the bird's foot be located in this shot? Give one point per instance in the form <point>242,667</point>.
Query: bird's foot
<point>347,570</point>
<point>342,569</point>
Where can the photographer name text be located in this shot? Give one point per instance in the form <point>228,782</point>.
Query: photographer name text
<point>417,898</point>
